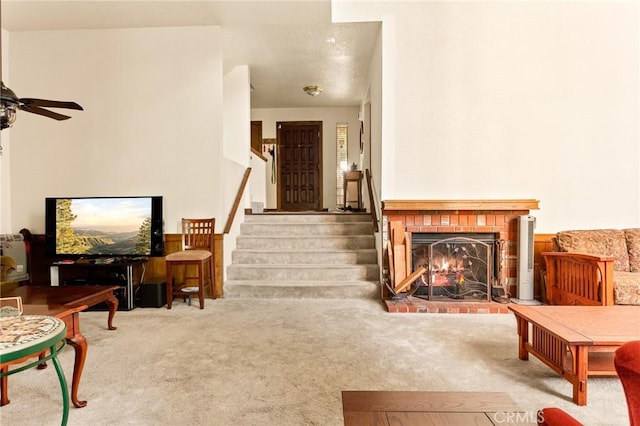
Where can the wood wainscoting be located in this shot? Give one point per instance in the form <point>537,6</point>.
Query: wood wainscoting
<point>155,268</point>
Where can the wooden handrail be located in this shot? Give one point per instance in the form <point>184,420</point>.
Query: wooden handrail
<point>258,154</point>
<point>236,203</point>
<point>372,202</point>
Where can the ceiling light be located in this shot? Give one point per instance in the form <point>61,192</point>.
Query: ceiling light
<point>312,90</point>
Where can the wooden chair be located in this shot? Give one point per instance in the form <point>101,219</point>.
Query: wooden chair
<point>197,251</point>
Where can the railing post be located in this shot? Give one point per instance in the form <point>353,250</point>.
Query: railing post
<point>372,202</point>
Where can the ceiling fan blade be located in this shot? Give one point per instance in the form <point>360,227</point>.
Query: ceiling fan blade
<point>45,112</point>
<point>34,102</point>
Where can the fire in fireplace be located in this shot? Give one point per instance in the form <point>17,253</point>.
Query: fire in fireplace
<point>459,266</point>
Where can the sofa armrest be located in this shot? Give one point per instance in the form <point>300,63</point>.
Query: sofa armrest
<point>579,278</point>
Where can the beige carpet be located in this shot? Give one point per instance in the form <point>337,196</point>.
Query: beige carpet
<point>285,362</point>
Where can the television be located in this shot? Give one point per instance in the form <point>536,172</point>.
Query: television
<point>94,227</point>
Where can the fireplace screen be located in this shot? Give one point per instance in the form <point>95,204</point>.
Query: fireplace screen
<point>458,268</point>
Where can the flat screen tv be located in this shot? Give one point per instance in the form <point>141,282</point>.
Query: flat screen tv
<point>94,227</point>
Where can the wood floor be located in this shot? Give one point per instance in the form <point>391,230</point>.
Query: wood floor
<point>386,408</point>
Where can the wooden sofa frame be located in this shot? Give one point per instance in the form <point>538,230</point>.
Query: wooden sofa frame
<point>578,279</point>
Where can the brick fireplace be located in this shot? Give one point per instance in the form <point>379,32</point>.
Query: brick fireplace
<point>497,219</point>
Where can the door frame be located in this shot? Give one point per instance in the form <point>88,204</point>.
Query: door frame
<point>318,125</point>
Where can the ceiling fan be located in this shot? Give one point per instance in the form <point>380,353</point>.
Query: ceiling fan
<point>10,103</point>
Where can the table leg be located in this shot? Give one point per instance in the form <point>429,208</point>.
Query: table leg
<point>112,303</point>
<point>523,338</point>
<point>63,385</point>
<point>201,284</point>
<point>169,286</point>
<point>344,193</point>
<point>4,389</point>
<point>79,343</point>
<point>580,364</point>
<point>4,381</point>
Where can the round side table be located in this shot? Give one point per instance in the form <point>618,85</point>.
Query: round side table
<point>27,336</point>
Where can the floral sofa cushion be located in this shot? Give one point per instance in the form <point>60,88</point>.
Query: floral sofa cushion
<point>626,288</point>
<point>633,247</point>
<point>600,242</point>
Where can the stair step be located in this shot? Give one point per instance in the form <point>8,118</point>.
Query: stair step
<point>302,255</point>
<point>307,217</point>
<point>302,289</point>
<point>303,272</point>
<point>306,228</point>
<point>284,257</point>
<point>306,242</point>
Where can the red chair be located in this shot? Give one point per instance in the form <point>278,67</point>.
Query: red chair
<point>627,363</point>
<point>556,417</point>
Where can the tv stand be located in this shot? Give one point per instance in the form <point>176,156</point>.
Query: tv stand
<point>125,273</point>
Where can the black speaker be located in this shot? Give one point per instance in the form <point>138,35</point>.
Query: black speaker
<point>152,294</point>
<point>157,239</point>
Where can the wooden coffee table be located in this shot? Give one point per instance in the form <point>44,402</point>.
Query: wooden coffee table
<point>65,303</point>
<point>576,341</point>
<point>414,408</point>
<point>69,296</point>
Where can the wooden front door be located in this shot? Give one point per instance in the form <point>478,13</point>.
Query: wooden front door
<point>299,166</point>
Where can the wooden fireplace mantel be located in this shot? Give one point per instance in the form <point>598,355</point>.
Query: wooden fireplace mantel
<point>399,205</point>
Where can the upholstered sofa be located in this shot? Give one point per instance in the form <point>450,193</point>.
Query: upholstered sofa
<point>594,267</point>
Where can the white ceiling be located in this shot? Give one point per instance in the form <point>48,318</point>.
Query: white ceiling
<point>285,43</point>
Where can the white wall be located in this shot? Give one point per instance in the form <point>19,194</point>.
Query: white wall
<point>5,165</point>
<point>152,123</point>
<point>237,115</point>
<point>374,151</point>
<point>512,100</point>
<point>499,99</point>
<point>258,180</point>
<point>330,117</point>
<point>237,143</point>
<point>375,100</point>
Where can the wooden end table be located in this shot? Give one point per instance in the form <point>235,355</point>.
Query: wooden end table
<point>65,303</point>
<point>576,341</point>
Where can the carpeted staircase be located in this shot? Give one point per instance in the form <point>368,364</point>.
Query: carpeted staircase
<point>309,255</point>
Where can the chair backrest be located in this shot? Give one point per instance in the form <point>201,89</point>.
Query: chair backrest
<point>197,234</point>
<point>627,363</point>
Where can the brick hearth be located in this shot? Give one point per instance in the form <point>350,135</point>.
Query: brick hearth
<point>415,305</point>
<point>464,216</point>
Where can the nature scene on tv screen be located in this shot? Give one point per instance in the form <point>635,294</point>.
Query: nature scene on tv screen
<point>103,226</point>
